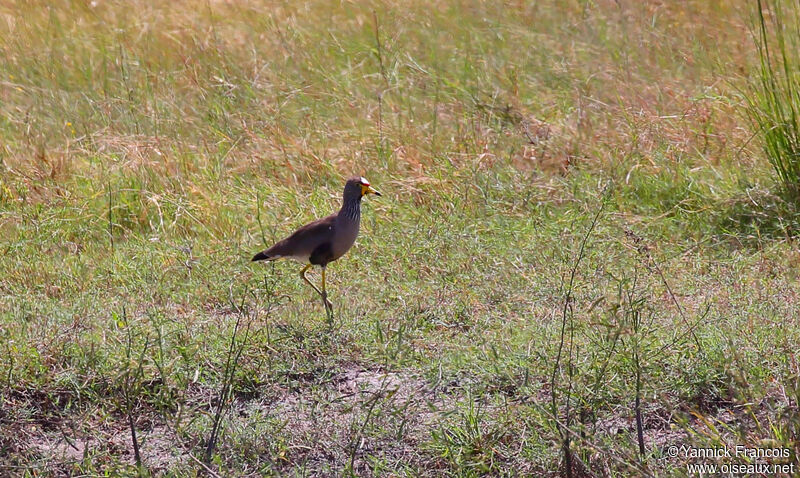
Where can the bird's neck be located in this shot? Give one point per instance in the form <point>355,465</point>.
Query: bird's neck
<point>351,210</point>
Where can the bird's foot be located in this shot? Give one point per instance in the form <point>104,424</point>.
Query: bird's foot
<point>328,308</point>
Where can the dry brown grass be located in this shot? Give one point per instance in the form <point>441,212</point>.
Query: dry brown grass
<point>638,83</point>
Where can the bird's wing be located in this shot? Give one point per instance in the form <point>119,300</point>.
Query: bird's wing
<point>303,241</point>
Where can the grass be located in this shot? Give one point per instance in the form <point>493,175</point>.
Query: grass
<point>145,157</point>
<point>774,98</point>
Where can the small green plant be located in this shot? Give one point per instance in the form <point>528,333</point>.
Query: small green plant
<point>132,382</point>
<point>774,99</point>
<point>235,349</point>
<point>469,443</point>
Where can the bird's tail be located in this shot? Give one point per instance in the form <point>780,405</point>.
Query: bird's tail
<point>264,256</point>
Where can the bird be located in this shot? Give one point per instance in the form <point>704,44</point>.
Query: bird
<point>325,240</point>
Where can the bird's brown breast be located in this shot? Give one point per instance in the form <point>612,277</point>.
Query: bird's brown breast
<point>346,232</point>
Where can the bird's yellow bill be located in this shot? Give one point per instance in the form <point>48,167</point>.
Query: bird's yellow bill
<point>367,189</point>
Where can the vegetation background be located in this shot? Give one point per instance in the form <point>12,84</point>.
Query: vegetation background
<point>581,256</point>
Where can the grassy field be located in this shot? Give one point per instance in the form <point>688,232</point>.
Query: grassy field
<point>578,227</point>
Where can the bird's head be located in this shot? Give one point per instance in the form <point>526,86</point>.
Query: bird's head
<point>358,187</point>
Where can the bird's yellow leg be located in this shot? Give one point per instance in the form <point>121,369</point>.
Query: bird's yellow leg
<point>303,275</point>
<point>325,292</point>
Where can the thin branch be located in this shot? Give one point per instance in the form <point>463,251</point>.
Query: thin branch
<point>566,315</point>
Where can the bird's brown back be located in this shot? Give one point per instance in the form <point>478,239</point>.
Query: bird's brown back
<point>303,242</point>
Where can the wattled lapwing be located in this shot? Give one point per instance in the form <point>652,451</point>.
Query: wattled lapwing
<point>325,240</point>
